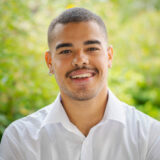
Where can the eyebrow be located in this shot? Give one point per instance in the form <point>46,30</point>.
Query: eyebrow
<point>64,45</point>
<point>92,42</point>
<point>61,45</point>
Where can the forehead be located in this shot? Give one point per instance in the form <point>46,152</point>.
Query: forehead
<point>77,32</point>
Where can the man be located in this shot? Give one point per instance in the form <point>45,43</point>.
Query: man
<point>86,121</point>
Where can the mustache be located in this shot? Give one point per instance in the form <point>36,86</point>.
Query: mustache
<point>78,68</point>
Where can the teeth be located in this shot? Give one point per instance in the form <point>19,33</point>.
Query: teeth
<point>85,75</point>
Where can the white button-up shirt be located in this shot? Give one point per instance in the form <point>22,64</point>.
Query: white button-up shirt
<point>124,133</point>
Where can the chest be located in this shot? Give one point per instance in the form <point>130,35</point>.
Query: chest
<point>107,143</point>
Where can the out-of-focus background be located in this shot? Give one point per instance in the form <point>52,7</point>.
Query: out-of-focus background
<point>133,30</point>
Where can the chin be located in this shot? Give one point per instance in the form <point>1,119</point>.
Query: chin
<point>82,96</point>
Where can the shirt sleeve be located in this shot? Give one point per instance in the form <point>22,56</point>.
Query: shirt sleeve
<point>9,147</point>
<point>153,152</point>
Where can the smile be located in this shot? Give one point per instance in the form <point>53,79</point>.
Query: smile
<point>84,75</point>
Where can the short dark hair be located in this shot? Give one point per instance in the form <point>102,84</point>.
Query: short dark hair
<point>75,15</point>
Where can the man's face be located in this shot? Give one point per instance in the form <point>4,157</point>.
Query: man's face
<point>80,59</point>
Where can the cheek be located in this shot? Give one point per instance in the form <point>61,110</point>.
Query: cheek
<point>60,66</point>
<point>57,65</point>
<point>101,62</point>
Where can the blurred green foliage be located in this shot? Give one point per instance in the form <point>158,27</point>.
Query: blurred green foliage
<point>133,30</point>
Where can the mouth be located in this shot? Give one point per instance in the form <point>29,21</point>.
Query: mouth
<point>82,75</point>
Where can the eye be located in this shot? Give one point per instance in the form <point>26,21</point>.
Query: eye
<point>92,49</point>
<point>65,52</point>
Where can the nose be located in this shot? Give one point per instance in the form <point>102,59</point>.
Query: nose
<point>80,59</point>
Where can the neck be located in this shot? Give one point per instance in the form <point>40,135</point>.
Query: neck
<point>86,114</point>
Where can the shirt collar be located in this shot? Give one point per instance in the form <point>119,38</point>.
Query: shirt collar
<point>114,111</point>
<point>57,113</point>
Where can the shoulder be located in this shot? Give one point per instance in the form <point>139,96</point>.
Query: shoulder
<point>30,124</point>
<point>134,116</point>
<point>143,130</point>
<point>22,135</point>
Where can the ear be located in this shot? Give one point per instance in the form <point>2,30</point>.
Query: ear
<point>48,59</point>
<point>110,56</point>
